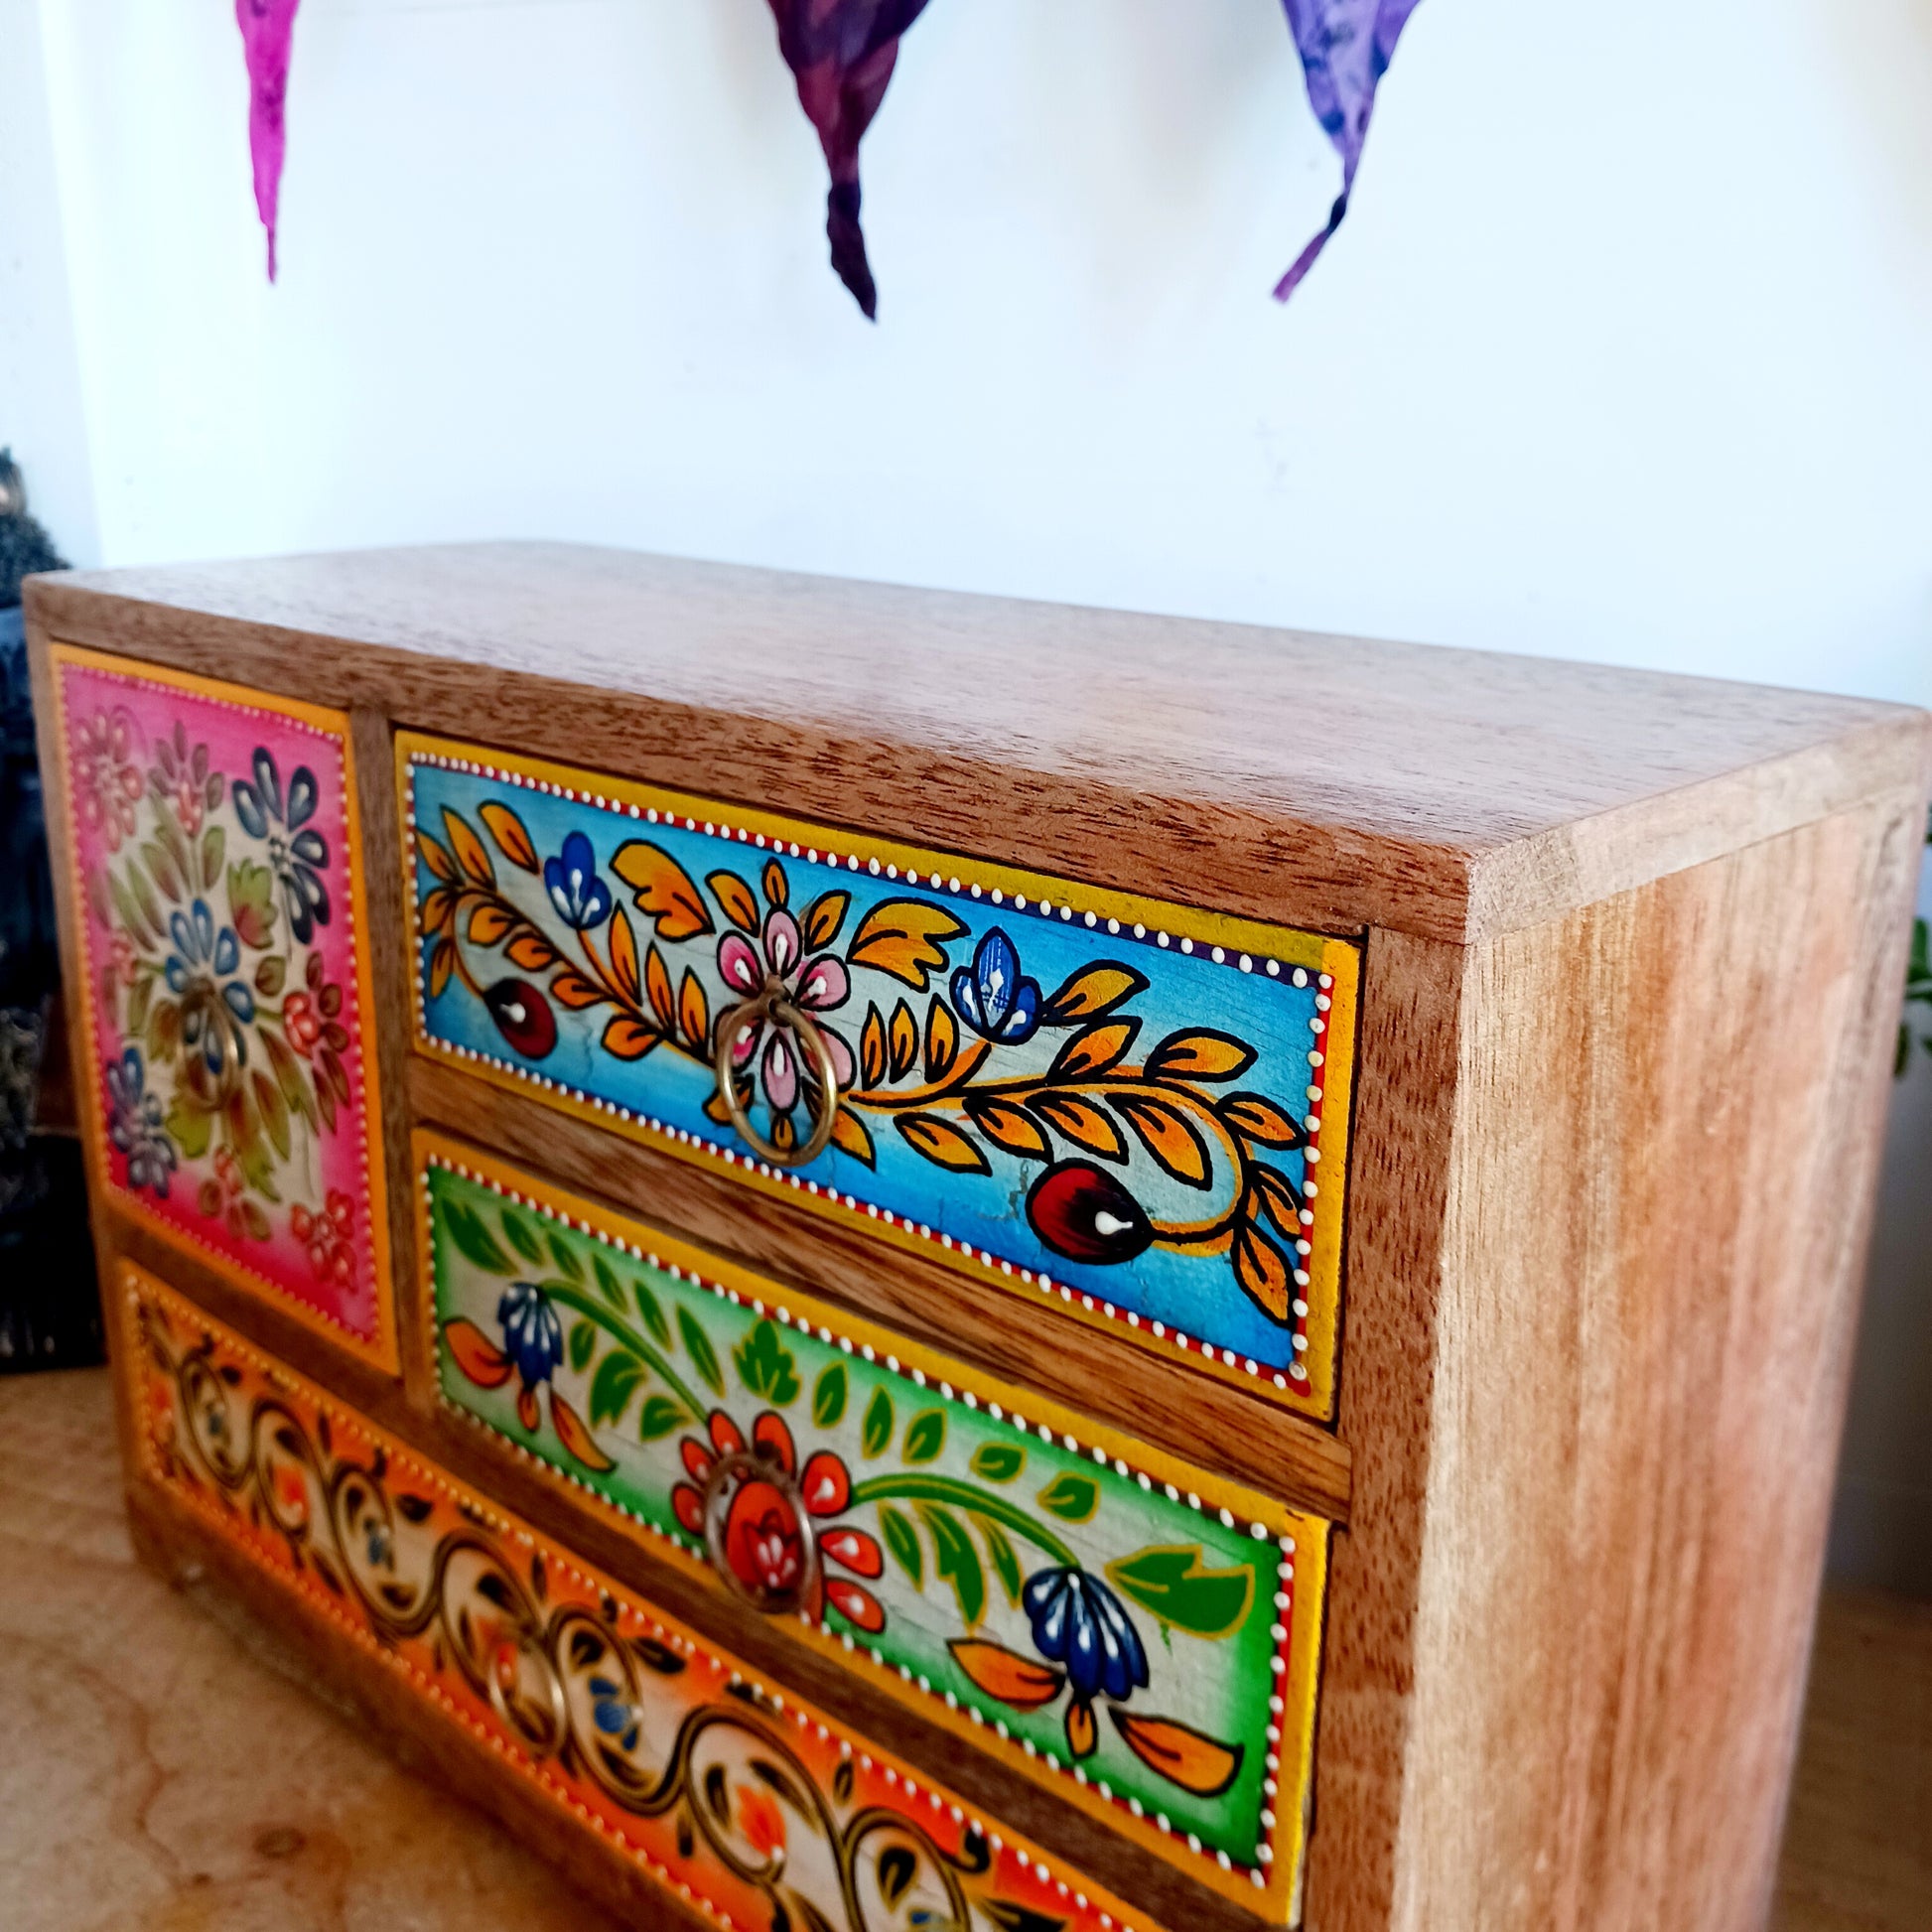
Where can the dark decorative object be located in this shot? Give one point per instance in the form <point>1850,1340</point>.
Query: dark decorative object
<point>50,1314</point>
<point>842,53</point>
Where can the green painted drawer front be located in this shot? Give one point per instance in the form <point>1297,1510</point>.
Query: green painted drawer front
<point>1103,1617</point>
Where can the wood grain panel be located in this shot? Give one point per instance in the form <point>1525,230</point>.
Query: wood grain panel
<point>1666,1122</point>
<point>1310,781</point>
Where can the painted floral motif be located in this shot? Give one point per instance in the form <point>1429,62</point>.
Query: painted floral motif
<point>767,1809</point>
<point>1115,1125</point>
<point>1036,1583</point>
<point>219,1013</point>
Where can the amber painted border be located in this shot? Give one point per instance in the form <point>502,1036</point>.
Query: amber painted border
<point>1302,1537</point>
<point>1088,1903</point>
<point>1239,944</point>
<point>380,1349</point>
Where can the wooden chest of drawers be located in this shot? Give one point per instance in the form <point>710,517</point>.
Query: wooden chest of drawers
<point>884,1260</point>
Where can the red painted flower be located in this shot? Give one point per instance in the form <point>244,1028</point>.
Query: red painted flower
<point>301,1022</point>
<point>763,1536</point>
<point>107,778</point>
<point>326,1237</point>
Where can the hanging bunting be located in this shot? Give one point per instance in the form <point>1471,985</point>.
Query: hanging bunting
<point>1345,48</point>
<point>841,53</point>
<point>267,28</point>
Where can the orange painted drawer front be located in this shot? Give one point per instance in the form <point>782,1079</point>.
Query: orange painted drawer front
<point>1131,1113</point>
<point>225,1041</point>
<point>740,1799</point>
<point>1099,1617</point>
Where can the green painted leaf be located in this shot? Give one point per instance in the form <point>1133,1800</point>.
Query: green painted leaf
<point>1072,1497</point>
<point>999,1461</point>
<point>607,1282</point>
<point>903,1540</point>
<point>613,1386</point>
<point>765,1364</point>
<point>828,1397</point>
<point>138,997</point>
<point>697,1344</point>
<point>1171,1581</point>
<point>189,1128</point>
<point>215,845</point>
<point>652,1314</point>
<point>583,1344</point>
<point>271,975</point>
<point>474,1240</point>
<point>251,903</point>
<point>658,1418</point>
<point>956,1562</point>
<point>877,1431</point>
<point>563,1255</point>
<point>999,1550</point>
<point>523,1237</point>
<point>925,1436</point>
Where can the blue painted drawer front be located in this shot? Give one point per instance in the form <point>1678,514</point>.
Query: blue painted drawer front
<point>1133,1110</point>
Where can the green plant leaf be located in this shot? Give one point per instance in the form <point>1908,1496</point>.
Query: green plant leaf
<point>607,1282</point>
<point>653,1315</point>
<point>903,1540</point>
<point>877,1431</point>
<point>658,1418</point>
<point>925,1436</point>
<point>999,1552</point>
<point>1171,1581</point>
<point>828,1395</point>
<point>955,1561</point>
<point>765,1364</point>
<point>563,1255</point>
<point>999,1461</point>
<point>1072,1497</point>
<point>612,1387</point>
<point>704,1358</point>
<point>474,1240</point>
<point>523,1237</point>
<point>583,1344</point>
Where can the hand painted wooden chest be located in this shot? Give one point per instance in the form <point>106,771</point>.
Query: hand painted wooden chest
<point>892,1261</point>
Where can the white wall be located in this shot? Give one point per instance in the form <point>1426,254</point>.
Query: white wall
<point>1625,352</point>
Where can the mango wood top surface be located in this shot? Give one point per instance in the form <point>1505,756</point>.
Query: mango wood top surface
<point>1327,782</point>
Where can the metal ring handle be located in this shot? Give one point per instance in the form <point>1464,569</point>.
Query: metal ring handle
<point>727,1475</point>
<point>775,1004</point>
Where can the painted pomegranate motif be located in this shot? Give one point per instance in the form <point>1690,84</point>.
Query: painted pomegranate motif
<point>523,1017</point>
<point>1088,1215</point>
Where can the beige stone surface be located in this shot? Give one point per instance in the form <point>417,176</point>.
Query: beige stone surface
<point>161,1773</point>
<point>158,1774</point>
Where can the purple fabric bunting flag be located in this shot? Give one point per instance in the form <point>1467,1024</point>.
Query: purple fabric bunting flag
<point>1345,48</point>
<point>267,28</point>
<point>841,53</point>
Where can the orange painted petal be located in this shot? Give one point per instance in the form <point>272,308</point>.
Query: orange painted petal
<point>475,1354</point>
<point>856,1606</point>
<point>1079,1727</point>
<point>725,1435</point>
<point>826,1487</point>
<point>527,1412</point>
<point>575,1437</point>
<point>1185,1757</point>
<point>698,1460</point>
<point>1007,1674</point>
<point>770,1431</point>
<point>688,1506</point>
<point>853,1549</point>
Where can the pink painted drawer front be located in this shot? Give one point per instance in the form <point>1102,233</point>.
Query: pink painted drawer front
<point>225,1036</point>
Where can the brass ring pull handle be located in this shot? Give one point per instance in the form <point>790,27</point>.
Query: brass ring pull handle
<point>758,1534</point>
<point>773,1002</point>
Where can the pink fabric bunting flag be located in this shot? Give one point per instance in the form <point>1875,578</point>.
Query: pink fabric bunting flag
<point>1345,48</point>
<point>841,53</point>
<point>267,28</point>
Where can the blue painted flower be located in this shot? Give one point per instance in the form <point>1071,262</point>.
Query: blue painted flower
<point>533,1338</point>
<point>582,899</point>
<point>134,1126</point>
<point>215,1005</point>
<point>614,1714</point>
<point>991,995</point>
<point>1079,1623</point>
<point>296,852</point>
